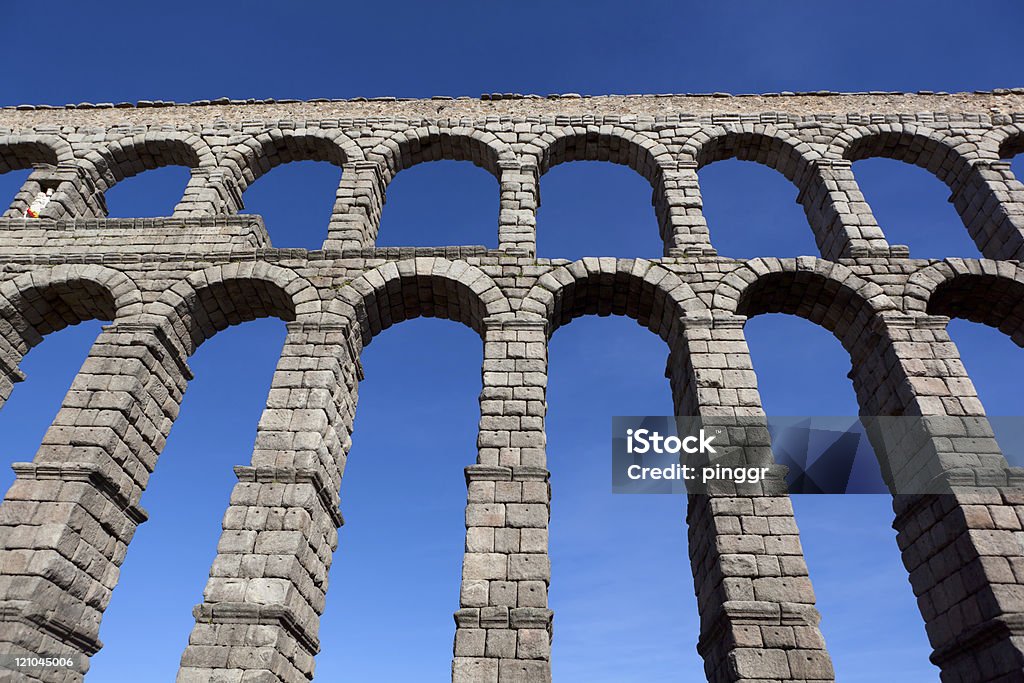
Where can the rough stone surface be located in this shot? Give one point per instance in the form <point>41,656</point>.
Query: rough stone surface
<point>168,284</point>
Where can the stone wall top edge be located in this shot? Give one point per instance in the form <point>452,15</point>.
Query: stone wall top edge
<point>302,258</point>
<point>658,107</point>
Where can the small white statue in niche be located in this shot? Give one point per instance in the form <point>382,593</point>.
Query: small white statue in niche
<point>35,209</point>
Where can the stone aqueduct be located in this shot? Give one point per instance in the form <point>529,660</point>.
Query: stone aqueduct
<point>168,284</point>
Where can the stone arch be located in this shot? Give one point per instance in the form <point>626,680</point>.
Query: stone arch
<point>981,291</point>
<point>428,287</point>
<point>44,154</point>
<point>618,145</point>
<point>249,160</point>
<point>413,146</point>
<point>761,143</point>
<point>105,166</point>
<point>823,292</point>
<point>25,151</point>
<point>208,301</point>
<point>38,302</point>
<point>47,300</point>
<point>356,209</point>
<point>654,296</point>
<point>837,233</point>
<point>1004,142</point>
<point>129,156</point>
<point>946,158</point>
<point>680,228</point>
<point>979,191</point>
<point>614,144</point>
<point>310,453</point>
<point>832,296</point>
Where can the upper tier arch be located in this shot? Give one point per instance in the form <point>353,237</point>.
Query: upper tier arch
<point>412,146</point>
<point>250,159</point>
<point>614,144</point>
<point>761,143</point>
<point>123,158</point>
<point>1004,142</point>
<point>824,189</point>
<point>945,157</point>
<point>25,151</point>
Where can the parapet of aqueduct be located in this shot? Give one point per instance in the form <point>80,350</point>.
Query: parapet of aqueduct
<point>168,284</point>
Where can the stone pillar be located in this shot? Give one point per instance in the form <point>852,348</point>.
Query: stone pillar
<point>355,218</point>
<point>990,200</point>
<point>13,347</point>
<point>843,224</point>
<point>757,613</point>
<point>262,604</point>
<point>680,211</point>
<point>10,374</point>
<point>208,193</point>
<point>69,192</point>
<point>66,521</point>
<point>503,626</point>
<point>962,548</point>
<point>520,199</point>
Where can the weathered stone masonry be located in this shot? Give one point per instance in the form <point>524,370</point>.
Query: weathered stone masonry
<point>166,285</point>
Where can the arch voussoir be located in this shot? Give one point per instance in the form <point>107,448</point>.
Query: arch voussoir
<point>46,300</point>
<point>426,286</point>
<point>984,291</point>
<point>207,301</point>
<point>647,292</point>
<point>824,292</point>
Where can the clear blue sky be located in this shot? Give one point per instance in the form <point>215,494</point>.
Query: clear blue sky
<point>622,589</point>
